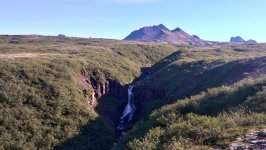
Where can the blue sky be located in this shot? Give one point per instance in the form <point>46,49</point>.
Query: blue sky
<point>216,20</point>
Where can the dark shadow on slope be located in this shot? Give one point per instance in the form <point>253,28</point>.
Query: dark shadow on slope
<point>96,135</point>
<point>110,109</point>
<point>225,74</point>
<point>191,78</point>
<point>166,61</point>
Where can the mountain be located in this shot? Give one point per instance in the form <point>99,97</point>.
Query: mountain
<point>251,41</point>
<point>162,34</point>
<point>239,39</point>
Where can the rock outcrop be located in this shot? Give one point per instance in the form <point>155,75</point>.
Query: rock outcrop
<point>94,90</point>
<point>61,35</point>
<point>239,39</point>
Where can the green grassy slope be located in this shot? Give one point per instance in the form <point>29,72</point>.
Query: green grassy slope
<point>39,100</point>
<point>207,104</point>
<point>41,104</point>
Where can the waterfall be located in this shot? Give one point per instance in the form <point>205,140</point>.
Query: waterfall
<point>128,111</point>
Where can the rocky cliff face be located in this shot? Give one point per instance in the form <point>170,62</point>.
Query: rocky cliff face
<point>94,90</point>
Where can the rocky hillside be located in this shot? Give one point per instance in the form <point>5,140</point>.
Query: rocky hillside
<point>162,34</point>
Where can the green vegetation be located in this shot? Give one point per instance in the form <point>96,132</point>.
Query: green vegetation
<point>39,100</point>
<point>207,105</point>
<point>206,121</point>
<point>213,94</point>
<point>190,71</point>
<point>41,104</point>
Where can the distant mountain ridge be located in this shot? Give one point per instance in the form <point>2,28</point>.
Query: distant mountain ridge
<point>162,34</point>
<point>239,39</point>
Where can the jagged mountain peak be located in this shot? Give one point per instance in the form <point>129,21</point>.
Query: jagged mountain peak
<point>160,33</point>
<point>177,30</point>
<point>160,26</point>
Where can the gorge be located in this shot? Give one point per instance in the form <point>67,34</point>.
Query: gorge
<point>85,93</point>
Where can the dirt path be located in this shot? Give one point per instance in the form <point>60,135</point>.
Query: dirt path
<point>22,55</point>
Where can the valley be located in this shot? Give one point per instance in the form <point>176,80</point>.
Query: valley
<point>78,93</point>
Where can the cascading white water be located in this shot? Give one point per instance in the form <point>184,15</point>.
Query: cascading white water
<point>129,109</point>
